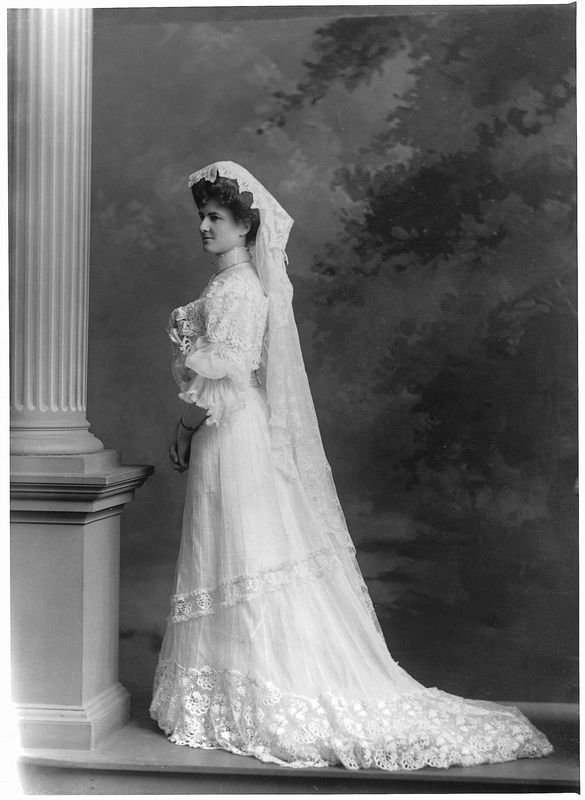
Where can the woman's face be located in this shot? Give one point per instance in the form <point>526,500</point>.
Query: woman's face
<point>219,230</point>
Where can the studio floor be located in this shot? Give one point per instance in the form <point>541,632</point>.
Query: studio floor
<point>139,760</point>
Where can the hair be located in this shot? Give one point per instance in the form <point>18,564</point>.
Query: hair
<point>225,192</point>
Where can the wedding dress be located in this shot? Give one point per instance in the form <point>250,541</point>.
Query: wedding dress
<point>272,647</point>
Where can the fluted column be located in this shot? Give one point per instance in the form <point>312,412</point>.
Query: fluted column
<point>50,103</point>
<point>67,493</point>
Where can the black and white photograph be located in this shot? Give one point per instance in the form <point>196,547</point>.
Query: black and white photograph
<point>293,380</point>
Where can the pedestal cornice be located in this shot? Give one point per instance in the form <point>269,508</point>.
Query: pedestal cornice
<point>72,485</point>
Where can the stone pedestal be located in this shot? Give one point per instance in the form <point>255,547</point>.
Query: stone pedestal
<point>64,602</point>
<point>67,492</point>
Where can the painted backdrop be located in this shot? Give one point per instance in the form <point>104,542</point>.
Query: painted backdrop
<point>429,162</point>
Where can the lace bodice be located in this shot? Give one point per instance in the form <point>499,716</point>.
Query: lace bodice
<point>231,313</point>
<point>218,338</point>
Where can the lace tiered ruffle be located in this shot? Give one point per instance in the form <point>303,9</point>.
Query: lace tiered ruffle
<point>220,708</point>
<point>200,602</point>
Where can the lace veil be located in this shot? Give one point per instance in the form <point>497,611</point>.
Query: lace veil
<point>294,430</point>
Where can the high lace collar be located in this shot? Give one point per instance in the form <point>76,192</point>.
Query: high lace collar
<point>231,258</point>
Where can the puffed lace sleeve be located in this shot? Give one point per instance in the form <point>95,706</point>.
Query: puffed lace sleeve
<point>218,341</point>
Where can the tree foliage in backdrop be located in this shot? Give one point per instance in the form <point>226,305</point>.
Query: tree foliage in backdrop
<point>446,308</point>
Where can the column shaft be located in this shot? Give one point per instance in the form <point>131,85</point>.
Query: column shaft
<point>50,161</point>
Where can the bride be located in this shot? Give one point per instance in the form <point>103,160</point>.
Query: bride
<point>272,647</point>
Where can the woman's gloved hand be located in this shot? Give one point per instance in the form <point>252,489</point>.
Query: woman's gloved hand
<point>180,449</point>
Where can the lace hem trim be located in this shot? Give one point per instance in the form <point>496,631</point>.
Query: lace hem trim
<point>200,602</point>
<point>213,708</point>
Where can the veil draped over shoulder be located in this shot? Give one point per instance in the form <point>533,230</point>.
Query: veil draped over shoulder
<point>294,430</point>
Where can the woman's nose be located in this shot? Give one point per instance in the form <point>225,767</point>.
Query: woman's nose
<point>204,225</point>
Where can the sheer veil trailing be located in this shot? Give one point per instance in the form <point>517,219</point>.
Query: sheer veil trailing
<point>294,430</point>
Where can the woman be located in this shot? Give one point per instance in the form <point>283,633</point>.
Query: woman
<point>273,648</point>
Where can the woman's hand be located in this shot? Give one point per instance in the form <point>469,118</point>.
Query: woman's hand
<point>180,449</point>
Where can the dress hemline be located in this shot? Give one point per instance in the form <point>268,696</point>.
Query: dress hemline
<point>210,708</point>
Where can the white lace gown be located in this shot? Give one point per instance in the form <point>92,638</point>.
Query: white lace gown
<point>269,650</point>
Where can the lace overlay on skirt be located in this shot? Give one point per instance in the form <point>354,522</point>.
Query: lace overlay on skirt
<point>210,708</point>
<point>206,601</point>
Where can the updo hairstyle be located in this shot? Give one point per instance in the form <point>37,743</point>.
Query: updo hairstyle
<point>225,192</point>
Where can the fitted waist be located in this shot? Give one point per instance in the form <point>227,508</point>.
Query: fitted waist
<point>254,380</point>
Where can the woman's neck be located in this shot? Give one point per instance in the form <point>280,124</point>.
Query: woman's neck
<point>237,255</point>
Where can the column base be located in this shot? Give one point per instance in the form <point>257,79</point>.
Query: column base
<point>44,440</point>
<point>74,727</point>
